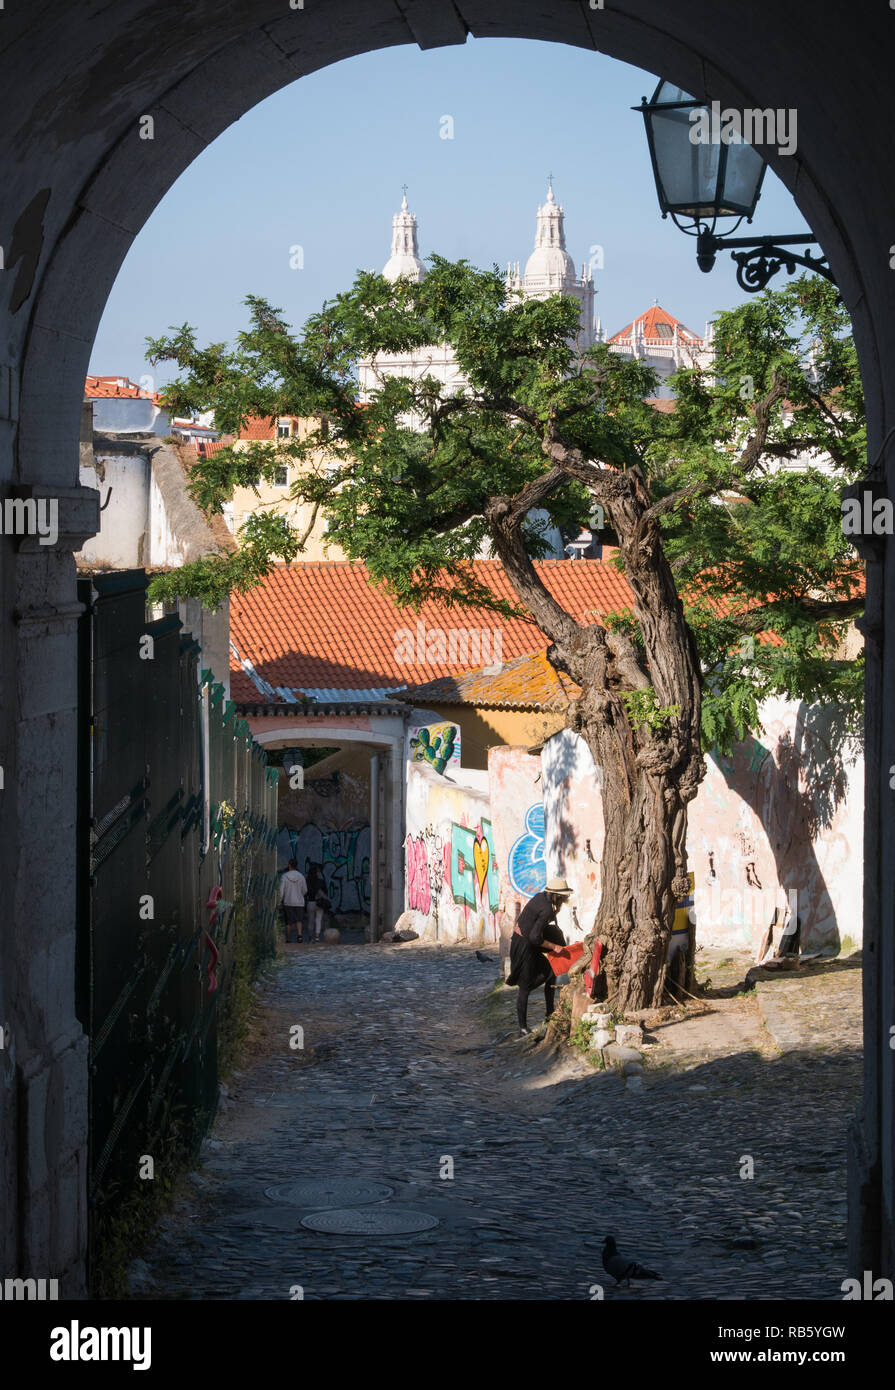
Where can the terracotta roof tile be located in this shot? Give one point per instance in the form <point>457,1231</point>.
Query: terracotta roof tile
<point>106,387</point>
<point>257,428</point>
<point>650,322</point>
<point>324,625</point>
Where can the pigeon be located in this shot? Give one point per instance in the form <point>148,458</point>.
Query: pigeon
<point>480,955</point>
<point>621,1268</point>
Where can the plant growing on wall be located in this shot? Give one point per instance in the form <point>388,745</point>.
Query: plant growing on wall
<point>741,581</point>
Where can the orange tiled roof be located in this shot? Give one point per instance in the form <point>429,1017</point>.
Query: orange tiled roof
<point>650,322</point>
<point>527,683</point>
<point>325,626</point>
<point>257,428</point>
<point>103,387</point>
<point>206,447</point>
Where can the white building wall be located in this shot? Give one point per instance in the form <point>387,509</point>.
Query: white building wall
<point>778,823</point>
<point>122,481</point>
<point>163,545</point>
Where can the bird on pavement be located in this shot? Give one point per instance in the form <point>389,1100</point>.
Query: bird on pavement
<point>480,955</point>
<point>622,1268</point>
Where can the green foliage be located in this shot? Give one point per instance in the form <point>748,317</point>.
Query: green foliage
<point>123,1224</point>
<point>580,1039</point>
<point>642,709</point>
<point>756,549</point>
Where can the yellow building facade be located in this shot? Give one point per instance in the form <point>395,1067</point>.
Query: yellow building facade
<point>275,496</point>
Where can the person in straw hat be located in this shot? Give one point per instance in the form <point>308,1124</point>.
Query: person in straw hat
<point>535,936</point>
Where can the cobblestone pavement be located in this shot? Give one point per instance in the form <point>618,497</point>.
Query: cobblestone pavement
<point>410,1069</point>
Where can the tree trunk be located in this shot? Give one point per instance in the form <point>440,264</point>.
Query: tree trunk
<point>645,790</point>
<point>649,773</point>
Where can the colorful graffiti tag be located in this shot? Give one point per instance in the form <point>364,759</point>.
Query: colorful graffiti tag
<point>435,744</point>
<point>418,894</point>
<point>344,852</point>
<point>425,870</point>
<point>527,867</point>
<point>473,864</point>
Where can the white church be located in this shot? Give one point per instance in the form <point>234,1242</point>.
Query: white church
<point>656,337</point>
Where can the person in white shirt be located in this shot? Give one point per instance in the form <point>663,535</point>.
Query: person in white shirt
<point>293,890</point>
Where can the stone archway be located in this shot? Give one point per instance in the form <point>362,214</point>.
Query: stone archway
<point>81,175</point>
<point>383,749</point>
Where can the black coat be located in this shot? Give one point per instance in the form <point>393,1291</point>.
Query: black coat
<point>529,966</point>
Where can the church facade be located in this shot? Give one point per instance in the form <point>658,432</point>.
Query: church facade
<point>658,339</point>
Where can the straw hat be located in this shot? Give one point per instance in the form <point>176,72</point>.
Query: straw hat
<point>556,885</point>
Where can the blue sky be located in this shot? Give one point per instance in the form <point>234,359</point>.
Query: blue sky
<point>320,165</point>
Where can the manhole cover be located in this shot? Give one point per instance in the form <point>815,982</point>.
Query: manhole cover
<point>370,1221</point>
<point>337,1192</point>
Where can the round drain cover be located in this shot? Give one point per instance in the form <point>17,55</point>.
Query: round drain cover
<point>370,1221</point>
<point>335,1192</point>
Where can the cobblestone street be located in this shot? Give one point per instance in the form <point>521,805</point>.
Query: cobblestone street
<point>411,1068</point>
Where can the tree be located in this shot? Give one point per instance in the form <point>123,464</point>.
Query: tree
<point>741,581</point>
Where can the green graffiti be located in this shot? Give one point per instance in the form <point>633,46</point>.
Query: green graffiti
<point>473,864</point>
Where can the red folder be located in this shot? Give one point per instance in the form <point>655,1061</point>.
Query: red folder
<point>563,960</point>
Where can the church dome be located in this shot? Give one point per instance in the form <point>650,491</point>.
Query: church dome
<point>550,262</point>
<point>404,260</point>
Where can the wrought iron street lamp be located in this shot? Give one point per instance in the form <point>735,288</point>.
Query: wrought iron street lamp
<point>700,180</point>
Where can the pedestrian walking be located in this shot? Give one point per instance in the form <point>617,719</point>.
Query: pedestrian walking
<point>293,891</point>
<point>535,936</point>
<point>316,900</point>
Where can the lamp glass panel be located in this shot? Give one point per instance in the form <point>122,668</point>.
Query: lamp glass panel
<point>688,172</point>
<point>743,175</point>
<point>666,91</point>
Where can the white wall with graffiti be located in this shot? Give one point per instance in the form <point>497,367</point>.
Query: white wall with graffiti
<point>451,867</point>
<point>779,823</point>
<point>776,824</point>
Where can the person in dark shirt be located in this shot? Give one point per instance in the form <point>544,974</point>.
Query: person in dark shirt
<point>535,936</point>
<point>316,892</point>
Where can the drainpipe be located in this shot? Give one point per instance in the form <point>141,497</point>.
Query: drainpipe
<point>374,847</point>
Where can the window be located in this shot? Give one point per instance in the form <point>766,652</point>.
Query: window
<point>324,428</point>
<point>664,330</point>
<point>281,477</point>
<point>284,429</point>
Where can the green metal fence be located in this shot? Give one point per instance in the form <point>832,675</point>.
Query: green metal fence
<point>177,837</point>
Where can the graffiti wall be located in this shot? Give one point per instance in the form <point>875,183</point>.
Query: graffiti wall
<point>452,868</point>
<point>343,851</point>
<point>327,822</point>
<point>779,824</point>
<point>517,812</point>
<point>776,824</point>
<point>573,827</point>
<point>438,745</point>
